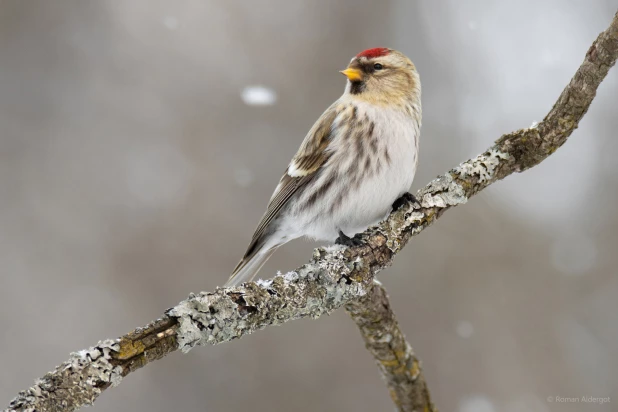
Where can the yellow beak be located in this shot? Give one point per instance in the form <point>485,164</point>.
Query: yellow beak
<point>354,75</point>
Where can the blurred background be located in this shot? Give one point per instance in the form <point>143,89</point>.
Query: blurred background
<point>140,142</point>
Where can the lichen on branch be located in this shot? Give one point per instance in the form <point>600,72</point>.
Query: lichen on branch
<point>399,366</point>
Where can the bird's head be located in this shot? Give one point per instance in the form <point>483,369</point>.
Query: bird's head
<point>383,76</point>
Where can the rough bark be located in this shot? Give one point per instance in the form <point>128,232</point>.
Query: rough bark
<point>400,368</point>
<point>335,276</point>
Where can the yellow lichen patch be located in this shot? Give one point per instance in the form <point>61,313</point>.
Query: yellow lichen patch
<point>358,276</point>
<point>394,397</point>
<point>466,184</point>
<point>400,354</point>
<point>390,363</point>
<point>129,349</point>
<point>415,370</point>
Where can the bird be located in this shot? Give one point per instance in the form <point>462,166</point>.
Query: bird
<point>354,165</point>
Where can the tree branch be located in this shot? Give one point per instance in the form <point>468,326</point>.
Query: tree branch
<point>335,276</point>
<point>400,369</point>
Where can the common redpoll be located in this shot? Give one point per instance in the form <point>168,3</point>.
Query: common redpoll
<point>355,162</point>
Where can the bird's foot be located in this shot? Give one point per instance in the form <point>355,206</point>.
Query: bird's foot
<point>405,198</point>
<point>345,240</point>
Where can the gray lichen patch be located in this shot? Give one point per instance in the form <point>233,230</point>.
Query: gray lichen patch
<point>313,290</point>
<point>482,166</point>
<point>443,192</point>
<point>97,359</point>
<point>399,222</point>
<point>76,382</point>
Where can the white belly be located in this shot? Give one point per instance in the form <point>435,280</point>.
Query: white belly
<point>364,190</point>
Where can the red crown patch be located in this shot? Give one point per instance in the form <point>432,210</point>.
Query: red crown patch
<point>371,53</point>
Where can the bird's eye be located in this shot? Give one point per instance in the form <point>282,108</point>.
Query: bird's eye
<point>378,66</point>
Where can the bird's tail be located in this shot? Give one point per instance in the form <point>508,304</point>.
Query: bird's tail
<point>249,266</point>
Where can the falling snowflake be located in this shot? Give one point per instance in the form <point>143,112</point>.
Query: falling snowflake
<point>258,96</point>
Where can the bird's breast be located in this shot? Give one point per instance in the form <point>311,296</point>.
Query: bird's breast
<point>372,161</point>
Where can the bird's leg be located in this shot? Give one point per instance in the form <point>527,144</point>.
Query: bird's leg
<point>405,198</point>
<point>345,240</point>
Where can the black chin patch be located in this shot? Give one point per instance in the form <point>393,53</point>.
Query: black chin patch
<point>357,87</point>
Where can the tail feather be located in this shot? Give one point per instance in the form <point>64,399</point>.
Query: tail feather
<point>249,266</point>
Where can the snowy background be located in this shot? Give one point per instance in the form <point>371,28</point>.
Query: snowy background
<point>141,140</point>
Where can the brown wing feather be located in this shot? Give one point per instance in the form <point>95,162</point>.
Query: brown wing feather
<point>312,152</point>
<point>310,156</point>
<point>287,187</point>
